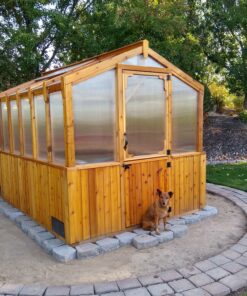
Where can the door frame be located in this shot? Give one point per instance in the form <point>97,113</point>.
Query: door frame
<point>122,71</point>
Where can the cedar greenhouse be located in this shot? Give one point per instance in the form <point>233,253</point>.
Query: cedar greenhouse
<point>84,147</point>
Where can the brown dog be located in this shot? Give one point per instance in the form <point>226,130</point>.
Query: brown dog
<point>157,212</point>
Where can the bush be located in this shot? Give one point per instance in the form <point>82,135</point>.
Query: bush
<point>238,103</point>
<point>243,116</point>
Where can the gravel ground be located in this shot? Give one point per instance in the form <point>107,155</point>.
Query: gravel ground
<point>23,261</point>
<point>225,138</point>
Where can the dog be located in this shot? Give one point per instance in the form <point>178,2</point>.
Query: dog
<point>157,212</point>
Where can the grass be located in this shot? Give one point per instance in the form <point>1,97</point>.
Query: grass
<point>232,175</point>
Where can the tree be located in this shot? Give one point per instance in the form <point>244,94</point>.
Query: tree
<point>221,27</point>
<point>31,36</point>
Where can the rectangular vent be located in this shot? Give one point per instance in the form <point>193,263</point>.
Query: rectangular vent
<point>57,226</point>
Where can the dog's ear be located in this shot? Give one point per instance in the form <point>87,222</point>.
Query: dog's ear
<point>158,192</point>
<point>170,193</point>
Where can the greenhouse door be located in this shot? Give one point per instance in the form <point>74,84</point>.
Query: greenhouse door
<point>144,140</point>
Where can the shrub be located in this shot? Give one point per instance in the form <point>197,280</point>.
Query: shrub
<point>238,103</point>
<point>243,116</point>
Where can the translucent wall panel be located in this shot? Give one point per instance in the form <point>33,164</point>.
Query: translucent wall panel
<point>139,60</point>
<point>184,117</point>
<point>145,114</point>
<point>5,127</point>
<point>39,105</point>
<point>27,130</point>
<point>57,126</point>
<point>15,125</point>
<point>94,118</point>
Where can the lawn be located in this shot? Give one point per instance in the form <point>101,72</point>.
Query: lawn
<point>232,175</point>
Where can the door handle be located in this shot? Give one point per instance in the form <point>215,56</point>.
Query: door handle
<point>125,142</point>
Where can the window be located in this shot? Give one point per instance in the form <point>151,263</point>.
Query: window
<point>184,117</point>
<point>57,126</point>
<point>94,118</point>
<point>39,107</point>
<point>5,126</point>
<point>145,114</point>
<point>15,125</point>
<point>27,130</point>
<point>139,60</point>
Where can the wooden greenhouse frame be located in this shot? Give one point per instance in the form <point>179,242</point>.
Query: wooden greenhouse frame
<point>79,202</point>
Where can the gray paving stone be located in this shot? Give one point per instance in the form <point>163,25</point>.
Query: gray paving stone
<point>164,236</point>
<point>144,241</point>
<point>218,273</point>
<point>219,260</point>
<point>201,279</point>
<point>50,244</point>
<point>189,271</point>
<point>176,221</point>
<point>39,237</point>
<point>130,283</point>
<point>11,289</point>
<point>113,294</point>
<point>232,267</point>
<point>19,219</point>
<point>231,254</point>
<point>181,285</point>
<point>64,253</point>
<point>106,287</point>
<point>205,214</point>
<point>242,260</point>
<point>234,282</point>
<point>243,242</point>
<point>137,292</point>
<point>87,250</point>
<point>205,265</point>
<point>26,225</point>
<point>191,219</point>
<point>141,231</point>
<point>13,215</point>
<point>150,280</point>
<point>125,238</point>
<point>211,209</point>
<point>33,290</point>
<point>108,244</point>
<point>196,292</point>
<point>217,289</point>
<point>83,289</point>
<point>160,290</point>
<point>178,230</point>
<point>170,275</point>
<point>33,230</point>
<point>57,291</point>
<point>239,248</point>
<point>242,274</point>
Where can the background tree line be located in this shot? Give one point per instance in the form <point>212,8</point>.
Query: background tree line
<point>207,39</point>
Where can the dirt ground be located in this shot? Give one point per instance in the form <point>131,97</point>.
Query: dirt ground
<point>21,260</point>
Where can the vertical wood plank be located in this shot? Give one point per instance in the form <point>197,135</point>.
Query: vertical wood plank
<point>68,123</point>
<point>200,122</point>
<point>47,122</point>
<point>20,123</point>
<point>33,125</point>
<point>203,181</point>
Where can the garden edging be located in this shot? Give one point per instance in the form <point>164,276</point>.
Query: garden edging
<point>218,275</point>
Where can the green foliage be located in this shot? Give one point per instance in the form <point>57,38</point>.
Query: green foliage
<point>222,30</point>
<point>232,175</point>
<point>238,103</point>
<point>243,116</point>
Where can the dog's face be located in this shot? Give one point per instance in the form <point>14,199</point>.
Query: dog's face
<point>164,197</point>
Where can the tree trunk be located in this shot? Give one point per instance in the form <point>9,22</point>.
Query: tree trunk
<point>245,101</point>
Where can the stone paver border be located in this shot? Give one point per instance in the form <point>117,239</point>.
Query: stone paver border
<point>216,276</point>
<point>138,238</point>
